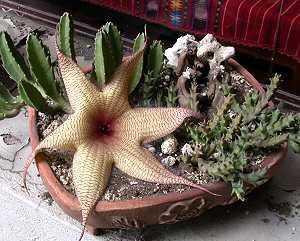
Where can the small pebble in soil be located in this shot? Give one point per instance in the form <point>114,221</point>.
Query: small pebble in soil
<point>169,145</point>
<point>169,161</point>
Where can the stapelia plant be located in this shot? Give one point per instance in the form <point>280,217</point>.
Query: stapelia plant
<point>105,131</point>
<point>102,128</point>
<point>237,132</point>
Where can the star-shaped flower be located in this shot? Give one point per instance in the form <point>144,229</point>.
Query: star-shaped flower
<point>104,131</point>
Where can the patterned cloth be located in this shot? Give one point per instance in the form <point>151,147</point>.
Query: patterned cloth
<point>181,15</point>
<point>260,23</point>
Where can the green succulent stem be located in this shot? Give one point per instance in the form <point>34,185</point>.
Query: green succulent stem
<point>108,53</point>
<point>139,43</point>
<point>66,33</point>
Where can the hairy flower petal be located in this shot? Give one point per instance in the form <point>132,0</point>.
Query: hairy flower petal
<point>92,166</point>
<point>148,124</point>
<point>119,82</point>
<point>68,135</point>
<point>131,160</point>
<point>80,91</point>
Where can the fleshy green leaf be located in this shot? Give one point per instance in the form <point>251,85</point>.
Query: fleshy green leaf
<point>99,61</point>
<point>109,59</point>
<point>108,53</point>
<point>238,190</point>
<point>5,94</point>
<point>256,178</point>
<point>12,61</point>
<point>15,103</point>
<point>255,103</point>
<point>66,32</point>
<point>9,105</point>
<point>31,95</point>
<point>39,59</point>
<point>155,58</point>
<point>138,44</point>
<point>273,141</point>
<point>116,43</point>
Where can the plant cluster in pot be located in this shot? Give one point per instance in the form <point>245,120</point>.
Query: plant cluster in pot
<point>190,119</point>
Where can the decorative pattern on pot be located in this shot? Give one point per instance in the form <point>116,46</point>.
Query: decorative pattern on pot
<point>183,210</point>
<point>126,222</point>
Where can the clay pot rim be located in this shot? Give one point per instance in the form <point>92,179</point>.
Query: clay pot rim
<point>66,199</point>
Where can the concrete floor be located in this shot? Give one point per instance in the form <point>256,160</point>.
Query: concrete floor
<point>272,213</point>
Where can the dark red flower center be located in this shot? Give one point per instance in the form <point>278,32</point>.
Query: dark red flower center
<point>104,129</point>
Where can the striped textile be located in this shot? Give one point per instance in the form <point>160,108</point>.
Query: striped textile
<point>254,23</point>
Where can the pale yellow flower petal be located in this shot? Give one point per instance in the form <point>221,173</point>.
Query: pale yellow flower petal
<point>148,124</point>
<point>92,166</point>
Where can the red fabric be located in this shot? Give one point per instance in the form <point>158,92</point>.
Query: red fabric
<point>212,11</point>
<point>254,23</point>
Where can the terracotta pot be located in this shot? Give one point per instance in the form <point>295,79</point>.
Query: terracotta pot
<point>169,208</point>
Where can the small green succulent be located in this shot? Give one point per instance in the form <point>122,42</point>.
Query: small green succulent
<point>238,131</point>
